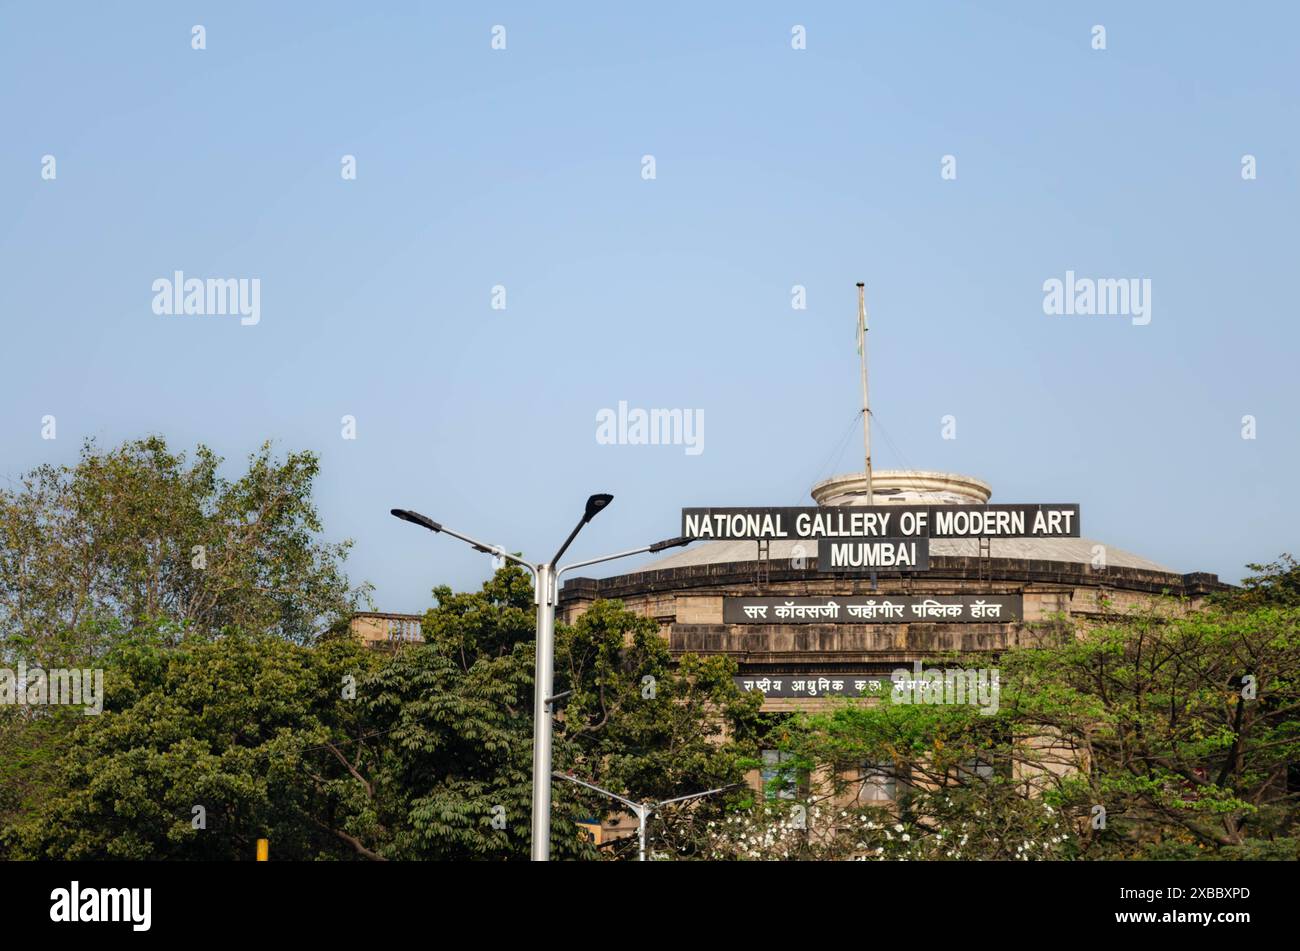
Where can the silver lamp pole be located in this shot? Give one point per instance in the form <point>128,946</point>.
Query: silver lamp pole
<point>546,577</point>
<point>643,810</point>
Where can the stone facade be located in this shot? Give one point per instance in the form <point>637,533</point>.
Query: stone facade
<point>687,604</point>
<point>385,629</point>
<point>684,593</point>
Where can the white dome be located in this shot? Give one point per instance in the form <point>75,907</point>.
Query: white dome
<point>913,486</point>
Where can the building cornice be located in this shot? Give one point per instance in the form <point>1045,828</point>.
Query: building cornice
<point>743,574</point>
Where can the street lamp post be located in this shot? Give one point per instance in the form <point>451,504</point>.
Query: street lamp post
<point>546,577</point>
<point>643,810</point>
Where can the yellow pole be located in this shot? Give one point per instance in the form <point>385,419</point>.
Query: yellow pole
<point>263,850</point>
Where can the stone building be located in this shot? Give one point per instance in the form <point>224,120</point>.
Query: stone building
<point>1047,578</point>
<point>377,628</point>
<point>685,592</point>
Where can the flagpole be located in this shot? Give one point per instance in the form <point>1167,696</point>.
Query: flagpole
<point>866,411</point>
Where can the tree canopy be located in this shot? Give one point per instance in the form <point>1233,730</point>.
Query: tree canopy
<point>140,533</point>
<point>1162,733</point>
<point>238,706</point>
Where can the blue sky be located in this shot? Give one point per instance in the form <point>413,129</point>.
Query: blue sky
<point>774,167</point>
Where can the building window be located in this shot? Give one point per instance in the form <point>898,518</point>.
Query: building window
<point>778,784</point>
<point>976,769</point>
<point>879,784</point>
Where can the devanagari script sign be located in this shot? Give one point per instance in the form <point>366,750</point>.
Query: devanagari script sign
<point>817,685</point>
<point>876,609</point>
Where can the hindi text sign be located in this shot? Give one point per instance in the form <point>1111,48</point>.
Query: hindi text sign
<point>876,609</point>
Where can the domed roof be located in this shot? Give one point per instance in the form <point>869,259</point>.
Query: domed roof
<point>912,487</point>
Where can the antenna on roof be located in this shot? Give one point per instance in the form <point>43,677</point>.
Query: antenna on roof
<point>866,411</point>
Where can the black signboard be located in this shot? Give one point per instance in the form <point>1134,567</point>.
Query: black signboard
<point>876,609</point>
<point>873,554</point>
<point>883,521</point>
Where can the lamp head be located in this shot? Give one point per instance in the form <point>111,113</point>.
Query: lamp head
<point>416,518</point>
<point>595,504</point>
<point>677,542</point>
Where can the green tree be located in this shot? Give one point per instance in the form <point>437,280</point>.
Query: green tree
<point>1167,732</point>
<point>648,728</point>
<point>337,751</point>
<point>140,533</point>
<point>1276,583</point>
<point>452,778</point>
<point>142,542</point>
<point>1186,724</point>
<point>233,727</point>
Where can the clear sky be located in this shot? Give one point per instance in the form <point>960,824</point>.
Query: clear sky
<point>774,167</point>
